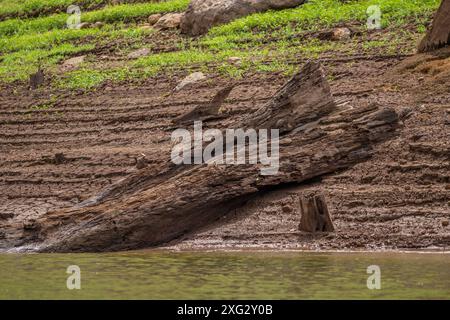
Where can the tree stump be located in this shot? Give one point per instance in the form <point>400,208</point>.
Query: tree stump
<point>315,215</point>
<point>438,35</point>
<point>36,79</point>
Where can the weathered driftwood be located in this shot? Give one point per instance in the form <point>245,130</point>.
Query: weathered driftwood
<point>315,216</point>
<point>162,203</point>
<point>438,35</point>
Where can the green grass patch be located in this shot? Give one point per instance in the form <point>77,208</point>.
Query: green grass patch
<point>21,57</point>
<point>19,65</point>
<point>33,8</point>
<point>57,37</point>
<point>194,59</point>
<point>86,79</point>
<point>44,106</point>
<point>317,14</point>
<point>267,42</point>
<point>109,14</point>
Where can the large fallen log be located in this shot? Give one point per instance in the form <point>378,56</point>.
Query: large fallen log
<point>162,203</point>
<point>438,35</point>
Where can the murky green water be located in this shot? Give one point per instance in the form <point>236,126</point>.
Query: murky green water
<point>236,275</point>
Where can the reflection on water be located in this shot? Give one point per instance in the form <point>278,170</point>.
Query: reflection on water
<point>232,275</point>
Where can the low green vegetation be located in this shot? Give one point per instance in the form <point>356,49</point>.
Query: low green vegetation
<point>316,14</point>
<point>31,8</point>
<point>109,14</point>
<point>55,37</point>
<point>273,41</point>
<point>21,51</point>
<point>19,65</point>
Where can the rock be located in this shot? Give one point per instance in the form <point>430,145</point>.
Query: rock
<point>98,24</point>
<point>286,208</point>
<point>139,53</point>
<point>201,15</point>
<point>190,79</point>
<point>152,19</point>
<point>234,61</point>
<point>445,223</point>
<point>84,25</point>
<point>169,21</point>
<point>145,26</point>
<point>72,63</point>
<point>340,34</point>
<point>337,34</point>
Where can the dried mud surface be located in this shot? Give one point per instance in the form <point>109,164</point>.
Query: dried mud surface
<point>400,198</point>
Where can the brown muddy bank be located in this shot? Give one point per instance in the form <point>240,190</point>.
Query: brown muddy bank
<point>398,199</point>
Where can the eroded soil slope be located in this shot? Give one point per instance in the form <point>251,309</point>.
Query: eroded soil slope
<point>57,155</point>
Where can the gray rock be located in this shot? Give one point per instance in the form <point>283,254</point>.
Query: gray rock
<point>169,21</point>
<point>98,24</point>
<point>336,34</point>
<point>236,61</point>
<point>190,79</point>
<point>152,19</point>
<point>201,15</point>
<point>72,63</point>
<point>84,25</point>
<point>340,34</point>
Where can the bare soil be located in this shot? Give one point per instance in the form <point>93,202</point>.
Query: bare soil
<point>400,198</point>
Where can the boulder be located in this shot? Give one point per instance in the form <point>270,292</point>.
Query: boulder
<point>169,21</point>
<point>201,15</point>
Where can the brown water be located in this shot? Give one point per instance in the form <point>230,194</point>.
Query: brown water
<point>225,275</point>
